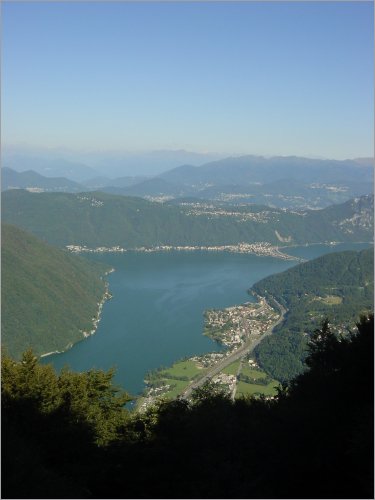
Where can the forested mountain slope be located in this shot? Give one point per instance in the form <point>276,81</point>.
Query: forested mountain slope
<point>100,219</point>
<point>336,286</point>
<point>48,296</point>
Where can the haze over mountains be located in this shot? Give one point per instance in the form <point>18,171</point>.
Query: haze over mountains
<point>31,180</point>
<point>285,182</point>
<point>280,181</point>
<point>83,165</point>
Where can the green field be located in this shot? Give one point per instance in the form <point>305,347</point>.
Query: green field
<point>232,368</point>
<point>177,387</point>
<point>252,372</point>
<point>180,374</point>
<point>181,369</point>
<point>331,300</point>
<point>244,389</point>
<point>186,369</point>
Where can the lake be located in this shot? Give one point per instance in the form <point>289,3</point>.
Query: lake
<point>156,314</point>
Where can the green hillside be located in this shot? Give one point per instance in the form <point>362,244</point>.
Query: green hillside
<point>100,219</point>
<point>336,286</point>
<point>48,295</point>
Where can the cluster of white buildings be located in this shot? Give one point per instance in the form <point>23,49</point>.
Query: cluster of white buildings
<point>206,360</point>
<point>84,248</point>
<point>212,212</point>
<point>93,201</point>
<point>233,325</point>
<point>229,381</point>
<point>260,248</point>
<point>95,320</point>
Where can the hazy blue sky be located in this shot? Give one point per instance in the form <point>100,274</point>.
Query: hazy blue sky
<point>261,78</point>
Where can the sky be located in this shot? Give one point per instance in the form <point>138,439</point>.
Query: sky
<point>269,78</point>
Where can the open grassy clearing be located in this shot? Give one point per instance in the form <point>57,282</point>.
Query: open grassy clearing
<point>252,372</point>
<point>245,389</point>
<point>232,368</point>
<point>178,376</point>
<point>181,373</point>
<point>182,369</point>
<point>331,300</point>
<point>177,387</point>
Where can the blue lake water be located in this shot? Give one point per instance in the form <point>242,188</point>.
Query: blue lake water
<point>156,314</point>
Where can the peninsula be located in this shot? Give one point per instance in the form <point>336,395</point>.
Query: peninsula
<point>240,328</point>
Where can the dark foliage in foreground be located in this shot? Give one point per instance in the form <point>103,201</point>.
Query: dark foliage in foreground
<point>315,440</point>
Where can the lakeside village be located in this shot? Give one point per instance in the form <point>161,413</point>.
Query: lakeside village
<point>232,326</point>
<point>261,248</point>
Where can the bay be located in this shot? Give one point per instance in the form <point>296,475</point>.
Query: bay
<point>156,314</point>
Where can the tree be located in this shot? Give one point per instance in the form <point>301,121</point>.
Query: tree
<point>209,391</point>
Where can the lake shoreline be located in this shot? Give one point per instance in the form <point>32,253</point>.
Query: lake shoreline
<point>260,249</point>
<point>95,321</point>
<point>156,316</point>
<point>261,319</point>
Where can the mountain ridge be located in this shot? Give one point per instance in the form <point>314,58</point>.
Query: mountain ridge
<point>99,219</point>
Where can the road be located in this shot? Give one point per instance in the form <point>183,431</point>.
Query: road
<point>247,347</point>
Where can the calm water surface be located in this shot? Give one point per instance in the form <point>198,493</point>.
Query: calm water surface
<point>156,314</point>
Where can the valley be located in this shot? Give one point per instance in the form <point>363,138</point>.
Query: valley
<point>187,251</point>
<point>255,240</point>
<point>163,303</point>
<point>189,237</point>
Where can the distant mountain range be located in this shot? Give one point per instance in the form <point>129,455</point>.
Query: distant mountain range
<point>81,166</point>
<point>49,167</point>
<point>284,182</point>
<point>10,179</point>
<point>32,181</point>
<point>48,296</point>
<point>101,219</point>
<point>257,169</point>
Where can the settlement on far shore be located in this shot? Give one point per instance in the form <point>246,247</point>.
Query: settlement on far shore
<point>260,248</point>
